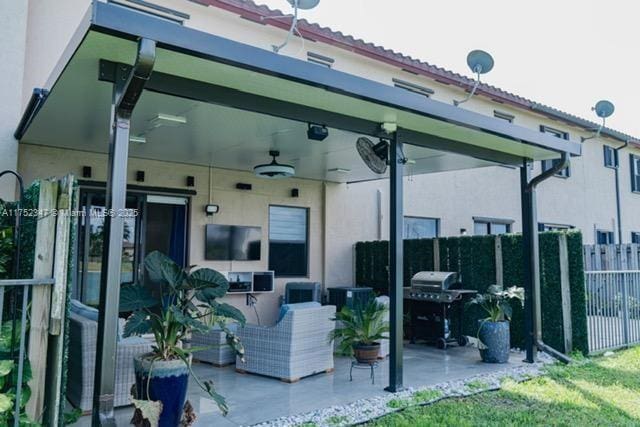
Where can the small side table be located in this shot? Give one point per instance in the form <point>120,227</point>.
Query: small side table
<point>371,366</point>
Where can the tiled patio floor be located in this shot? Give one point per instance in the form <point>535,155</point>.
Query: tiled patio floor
<point>253,399</point>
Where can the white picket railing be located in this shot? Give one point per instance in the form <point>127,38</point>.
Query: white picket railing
<point>613,308</point>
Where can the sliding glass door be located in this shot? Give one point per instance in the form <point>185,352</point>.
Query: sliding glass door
<point>151,223</point>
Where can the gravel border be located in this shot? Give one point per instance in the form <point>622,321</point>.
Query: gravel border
<point>364,410</point>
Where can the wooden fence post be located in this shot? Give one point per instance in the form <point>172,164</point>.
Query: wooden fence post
<point>41,298</point>
<point>565,289</point>
<point>58,301</point>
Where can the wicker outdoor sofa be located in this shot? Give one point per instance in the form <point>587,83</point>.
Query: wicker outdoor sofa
<point>296,347</point>
<point>83,334</point>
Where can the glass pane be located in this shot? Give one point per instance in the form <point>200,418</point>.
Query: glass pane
<point>288,254</point>
<point>95,222</point>
<point>480,228</point>
<point>420,228</point>
<point>166,230</point>
<point>497,228</point>
<point>287,224</point>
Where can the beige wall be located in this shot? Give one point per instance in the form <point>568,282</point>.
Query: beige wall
<point>586,200</point>
<point>236,207</point>
<point>13,21</point>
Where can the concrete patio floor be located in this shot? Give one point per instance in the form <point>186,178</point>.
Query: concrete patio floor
<point>253,399</point>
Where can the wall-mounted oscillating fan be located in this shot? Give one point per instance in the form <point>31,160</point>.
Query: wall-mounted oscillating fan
<point>375,156</point>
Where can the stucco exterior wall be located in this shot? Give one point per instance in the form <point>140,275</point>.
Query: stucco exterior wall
<point>353,212</point>
<point>13,27</point>
<point>237,207</point>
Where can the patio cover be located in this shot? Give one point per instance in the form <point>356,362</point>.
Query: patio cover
<point>246,84</point>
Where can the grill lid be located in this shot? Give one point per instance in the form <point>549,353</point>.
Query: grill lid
<point>440,280</point>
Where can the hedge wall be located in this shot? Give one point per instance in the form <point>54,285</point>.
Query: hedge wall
<point>475,259</point>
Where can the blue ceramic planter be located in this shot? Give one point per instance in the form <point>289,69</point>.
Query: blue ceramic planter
<point>169,380</point>
<point>495,342</point>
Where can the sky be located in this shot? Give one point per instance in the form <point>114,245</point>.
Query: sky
<point>564,53</point>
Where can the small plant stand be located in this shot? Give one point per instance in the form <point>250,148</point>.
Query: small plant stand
<point>372,366</point>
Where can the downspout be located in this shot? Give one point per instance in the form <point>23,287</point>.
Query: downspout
<point>533,249</point>
<point>618,205</point>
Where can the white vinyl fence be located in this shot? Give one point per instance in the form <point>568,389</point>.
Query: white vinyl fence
<point>613,308</point>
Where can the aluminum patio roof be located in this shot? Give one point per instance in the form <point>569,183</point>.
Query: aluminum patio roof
<point>228,85</point>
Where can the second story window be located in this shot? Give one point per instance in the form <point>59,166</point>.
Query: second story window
<point>610,157</point>
<point>635,173</point>
<point>635,237</point>
<point>549,164</point>
<point>504,116</point>
<point>412,87</point>
<point>322,60</point>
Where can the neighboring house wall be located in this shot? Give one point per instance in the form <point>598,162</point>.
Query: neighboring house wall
<point>13,25</point>
<point>236,207</point>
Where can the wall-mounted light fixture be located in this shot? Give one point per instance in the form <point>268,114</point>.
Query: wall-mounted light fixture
<point>191,181</point>
<point>243,186</point>
<point>140,176</point>
<point>86,171</point>
<point>295,192</point>
<point>211,209</point>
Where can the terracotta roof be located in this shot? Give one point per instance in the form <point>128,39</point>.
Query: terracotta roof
<point>261,14</point>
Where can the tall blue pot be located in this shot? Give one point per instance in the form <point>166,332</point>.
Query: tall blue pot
<point>169,381</point>
<point>495,341</point>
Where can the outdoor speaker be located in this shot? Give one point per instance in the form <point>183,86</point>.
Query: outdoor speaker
<point>140,176</point>
<point>86,171</point>
<point>317,132</point>
<point>191,181</point>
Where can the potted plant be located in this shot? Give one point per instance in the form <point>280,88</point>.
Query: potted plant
<point>360,329</point>
<point>180,299</point>
<point>494,340</point>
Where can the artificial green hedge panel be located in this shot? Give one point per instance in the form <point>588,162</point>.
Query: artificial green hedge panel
<point>475,259</point>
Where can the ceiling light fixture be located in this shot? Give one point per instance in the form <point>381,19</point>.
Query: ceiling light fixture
<point>167,120</point>
<point>274,170</point>
<point>138,140</point>
<point>339,170</point>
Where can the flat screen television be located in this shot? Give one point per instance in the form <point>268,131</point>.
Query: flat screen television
<point>232,243</point>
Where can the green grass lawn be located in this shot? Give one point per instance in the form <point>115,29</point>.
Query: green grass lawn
<point>603,391</point>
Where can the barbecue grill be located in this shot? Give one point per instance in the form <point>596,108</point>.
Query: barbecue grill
<point>433,298</point>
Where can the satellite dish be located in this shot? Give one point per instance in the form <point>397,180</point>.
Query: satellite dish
<point>604,109</point>
<point>479,61</point>
<point>375,156</point>
<point>297,5</point>
<point>304,4</point>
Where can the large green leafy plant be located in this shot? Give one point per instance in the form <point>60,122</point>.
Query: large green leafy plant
<point>181,299</point>
<point>362,325</point>
<point>496,302</point>
<point>9,380</point>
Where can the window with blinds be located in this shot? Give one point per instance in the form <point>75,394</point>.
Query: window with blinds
<point>289,241</point>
